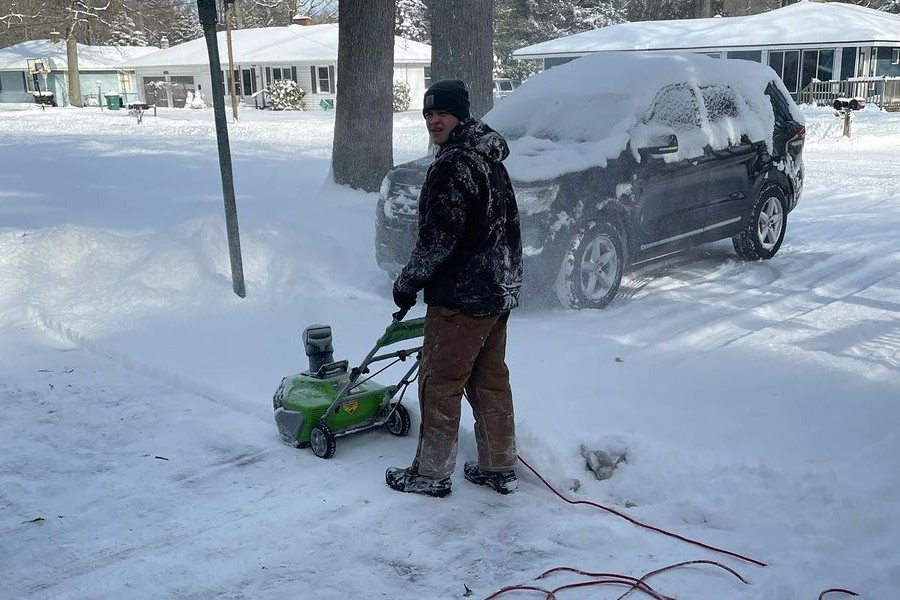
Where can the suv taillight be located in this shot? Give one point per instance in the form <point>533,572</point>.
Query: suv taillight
<point>801,131</point>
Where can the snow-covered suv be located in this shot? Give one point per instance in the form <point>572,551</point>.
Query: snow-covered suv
<point>619,158</point>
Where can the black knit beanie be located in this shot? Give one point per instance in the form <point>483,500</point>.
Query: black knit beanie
<point>449,95</point>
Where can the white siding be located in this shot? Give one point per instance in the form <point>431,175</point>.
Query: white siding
<point>414,77</point>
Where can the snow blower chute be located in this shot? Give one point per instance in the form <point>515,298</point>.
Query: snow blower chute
<point>314,407</point>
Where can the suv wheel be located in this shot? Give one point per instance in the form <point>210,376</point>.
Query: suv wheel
<point>592,268</point>
<point>762,236</point>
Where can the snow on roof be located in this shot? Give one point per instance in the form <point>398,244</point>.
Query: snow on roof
<point>801,24</point>
<point>583,113</point>
<point>90,58</point>
<point>272,45</point>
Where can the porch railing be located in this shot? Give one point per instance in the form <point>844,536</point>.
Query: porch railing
<point>883,92</point>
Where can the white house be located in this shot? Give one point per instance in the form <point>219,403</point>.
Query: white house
<point>108,68</point>
<point>306,54</point>
<point>801,42</point>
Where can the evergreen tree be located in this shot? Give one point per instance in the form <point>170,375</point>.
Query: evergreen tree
<point>124,32</point>
<point>412,20</point>
<point>659,10</point>
<point>185,26</point>
<point>521,23</point>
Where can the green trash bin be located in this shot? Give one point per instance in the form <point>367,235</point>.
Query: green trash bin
<point>113,101</point>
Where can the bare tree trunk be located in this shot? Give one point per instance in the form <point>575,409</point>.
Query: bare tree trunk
<point>74,77</point>
<point>363,126</point>
<point>239,15</point>
<point>702,8</point>
<point>462,47</point>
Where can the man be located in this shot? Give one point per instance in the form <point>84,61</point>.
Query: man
<point>468,261</point>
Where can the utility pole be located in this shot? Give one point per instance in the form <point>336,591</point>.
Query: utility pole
<point>234,102</point>
<point>208,19</point>
<point>74,77</point>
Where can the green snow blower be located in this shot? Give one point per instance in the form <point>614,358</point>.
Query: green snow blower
<point>313,408</point>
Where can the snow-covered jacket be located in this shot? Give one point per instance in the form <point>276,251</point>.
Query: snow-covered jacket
<point>468,254</point>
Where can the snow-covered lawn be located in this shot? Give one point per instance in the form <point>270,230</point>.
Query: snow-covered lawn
<point>758,404</point>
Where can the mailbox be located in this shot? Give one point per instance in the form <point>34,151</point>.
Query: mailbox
<point>849,103</point>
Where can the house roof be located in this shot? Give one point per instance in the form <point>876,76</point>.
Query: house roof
<point>90,58</point>
<point>273,45</point>
<point>803,24</point>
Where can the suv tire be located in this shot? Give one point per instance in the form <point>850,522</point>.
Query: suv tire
<point>592,266</point>
<point>762,236</point>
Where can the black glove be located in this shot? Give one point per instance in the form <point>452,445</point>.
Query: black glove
<point>403,300</point>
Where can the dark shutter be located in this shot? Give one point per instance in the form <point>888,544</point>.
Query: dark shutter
<point>331,80</point>
<point>312,80</point>
<point>269,75</point>
<point>294,74</point>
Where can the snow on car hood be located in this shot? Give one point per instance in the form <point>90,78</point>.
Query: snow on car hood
<point>583,113</point>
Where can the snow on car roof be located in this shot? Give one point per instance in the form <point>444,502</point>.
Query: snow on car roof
<point>584,112</point>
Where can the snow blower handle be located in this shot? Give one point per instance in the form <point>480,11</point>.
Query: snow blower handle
<point>398,316</point>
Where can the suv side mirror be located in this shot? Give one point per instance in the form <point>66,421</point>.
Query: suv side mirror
<point>664,145</point>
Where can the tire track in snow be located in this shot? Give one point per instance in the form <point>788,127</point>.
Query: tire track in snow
<point>799,308</point>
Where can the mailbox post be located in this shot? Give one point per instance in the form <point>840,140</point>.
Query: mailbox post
<point>208,19</point>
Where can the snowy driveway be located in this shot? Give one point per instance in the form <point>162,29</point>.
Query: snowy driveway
<point>757,403</point>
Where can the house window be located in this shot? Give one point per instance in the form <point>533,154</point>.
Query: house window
<point>895,56</point>
<point>323,80</point>
<point>816,64</point>
<point>1,84</point>
<point>825,71</point>
<point>754,55</point>
<point>279,73</point>
<point>787,65</point>
<point>776,61</point>
<point>427,77</point>
<point>848,62</point>
<point>124,82</point>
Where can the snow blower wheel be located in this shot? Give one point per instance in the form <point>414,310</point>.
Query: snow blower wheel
<point>399,422</point>
<point>322,441</point>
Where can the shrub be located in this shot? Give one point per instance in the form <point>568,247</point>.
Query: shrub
<point>285,94</point>
<point>401,96</point>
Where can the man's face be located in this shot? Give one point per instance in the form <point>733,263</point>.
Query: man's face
<point>440,124</point>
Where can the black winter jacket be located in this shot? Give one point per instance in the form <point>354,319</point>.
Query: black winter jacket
<point>468,254</point>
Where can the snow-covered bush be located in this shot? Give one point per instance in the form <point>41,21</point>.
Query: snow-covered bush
<point>285,94</point>
<point>401,96</point>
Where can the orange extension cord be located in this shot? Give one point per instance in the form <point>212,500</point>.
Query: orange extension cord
<point>633,583</point>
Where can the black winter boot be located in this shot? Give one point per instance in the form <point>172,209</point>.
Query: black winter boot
<point>502,482</point>
<point>407,480</point>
